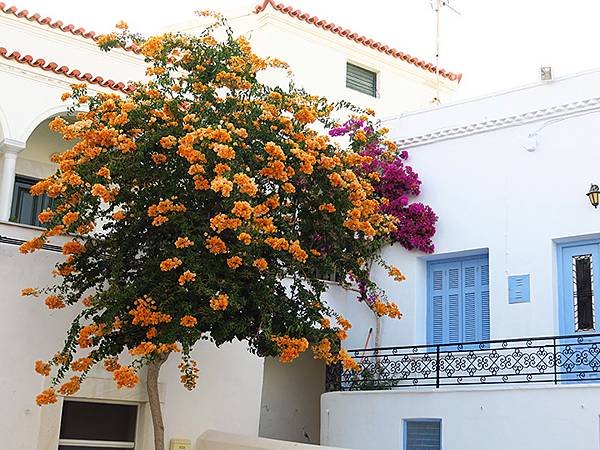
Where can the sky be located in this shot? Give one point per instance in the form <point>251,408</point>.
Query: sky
<point>496,44</point>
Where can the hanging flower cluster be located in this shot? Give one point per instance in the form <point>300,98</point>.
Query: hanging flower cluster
<point>202,204</point>
<point>396,182</point>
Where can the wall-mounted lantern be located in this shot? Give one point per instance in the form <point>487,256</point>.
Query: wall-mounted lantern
<point>594,195</point>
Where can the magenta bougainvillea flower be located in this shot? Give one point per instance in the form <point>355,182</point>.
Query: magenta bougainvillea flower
<point>400,184</point>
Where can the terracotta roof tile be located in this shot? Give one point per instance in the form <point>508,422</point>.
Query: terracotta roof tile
<point>63,70</point>
<point>353,36</point>
<point>55,24</point>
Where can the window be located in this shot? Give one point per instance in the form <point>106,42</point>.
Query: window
<point>361,80</point>
<point>423,434</point>
<point>97,426</point>
<point>458,303</point>
<point>583,292</point>
<point>26,207</point>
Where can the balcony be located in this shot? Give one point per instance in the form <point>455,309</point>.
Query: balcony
<point>551,359</point>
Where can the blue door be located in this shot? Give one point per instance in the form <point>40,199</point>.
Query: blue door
<point>579,356</point>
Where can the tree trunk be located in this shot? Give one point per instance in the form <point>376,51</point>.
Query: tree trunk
<point>154,400</point>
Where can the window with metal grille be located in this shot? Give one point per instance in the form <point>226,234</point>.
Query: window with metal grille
<point>583,292</point>
<point>361,80</point>
<point>97,426</point>
<point>423,434</point>
<point>26,207</point>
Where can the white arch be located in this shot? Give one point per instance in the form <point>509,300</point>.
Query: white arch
<point>47,114</point>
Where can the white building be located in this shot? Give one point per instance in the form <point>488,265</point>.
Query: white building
<point>516,261</point>
<point>237,392</point>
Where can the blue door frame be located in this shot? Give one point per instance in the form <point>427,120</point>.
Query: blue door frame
<point>577,360</point>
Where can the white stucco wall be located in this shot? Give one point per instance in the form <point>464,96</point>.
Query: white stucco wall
<point>227,397</point>
<point>507,174</point>
<point>520,418</point>
<point>491,194</point>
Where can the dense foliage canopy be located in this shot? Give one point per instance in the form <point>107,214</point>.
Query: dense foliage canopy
<point>203,205</point>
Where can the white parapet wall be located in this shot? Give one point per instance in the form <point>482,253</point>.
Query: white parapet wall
<point>522,417</point>
<point>217,440</point>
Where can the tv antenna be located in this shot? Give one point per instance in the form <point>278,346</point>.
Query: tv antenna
<point>437,5</point>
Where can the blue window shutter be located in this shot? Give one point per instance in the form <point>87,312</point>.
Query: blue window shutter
<point>436,311</point>
<point>422,435</point>
<point>485,301</point>
<point>444,319</point>
<point>476,300</point>
<point>453,316</point>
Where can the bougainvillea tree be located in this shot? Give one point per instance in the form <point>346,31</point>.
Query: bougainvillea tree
<point>200,205</point>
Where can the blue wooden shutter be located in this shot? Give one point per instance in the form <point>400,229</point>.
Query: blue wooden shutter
<point>422,435</point>
<point>485,300</point>
<point>476,300</point>
<point>453,317</point>
<point>436,304</point>
<point>444,319</point>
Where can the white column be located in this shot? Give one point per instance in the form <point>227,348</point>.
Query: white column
<point>9,149</point>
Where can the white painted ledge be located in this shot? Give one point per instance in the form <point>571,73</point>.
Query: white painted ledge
<point>217,440</point>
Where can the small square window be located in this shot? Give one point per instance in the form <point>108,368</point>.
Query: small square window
<point>102,426</point>
<point>361,80</point>
<point>423,434</point>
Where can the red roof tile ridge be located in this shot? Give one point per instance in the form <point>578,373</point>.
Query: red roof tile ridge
<point>55,24</point>
<point>63,70</point>
<point>349,34</point>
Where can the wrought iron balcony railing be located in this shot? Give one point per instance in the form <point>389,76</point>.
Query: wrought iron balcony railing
<point>553,359</point>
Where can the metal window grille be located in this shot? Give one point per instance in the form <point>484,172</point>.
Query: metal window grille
<point>583,293</point>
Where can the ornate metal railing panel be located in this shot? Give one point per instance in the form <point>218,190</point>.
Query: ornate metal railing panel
<point>553,359</point>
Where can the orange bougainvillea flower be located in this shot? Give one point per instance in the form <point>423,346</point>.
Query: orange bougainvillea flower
<point>215,245</point>
<point>396,274</point>
<point>30,291</point>
<point>71,386</point>
<point>125,377</point>
<point>118,215</point>
<point>158,158</point>
<point>187,277</point>
<point>188,321</point>
<point>54,302</point>
<point>342,322</point>
<point>220,302</point>
<point>111,364</point>
<point>347,362</point>
<point>306,116</point>
<point>143,349</point>
<point>234,262</point>
<point>73,248</point>
<point>82,364</point>
<point>289,348</point>
<point>43,368</point>
<point>47,397</point>
<point>242,209</point>
<point>145,313</point>
<point>170,264</point>
<point>183,242</point>
<point>261,264</point>
<point>245,238</point>
<point>32,245</point>
<point>168,142</point>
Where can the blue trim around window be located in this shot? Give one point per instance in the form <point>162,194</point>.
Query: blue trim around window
<point>562,305</point>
